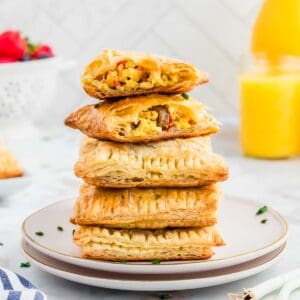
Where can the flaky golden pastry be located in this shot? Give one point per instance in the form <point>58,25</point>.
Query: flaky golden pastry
<point>129,244</point>
<point>146,208</point>
<point>119,74</point>
<point>144,118</point>
<point>9,166</point>
<point>171,163</point>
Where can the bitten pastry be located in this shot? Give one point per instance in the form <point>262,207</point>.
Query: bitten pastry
<point>129,244</point>
<point>9,166</point>
<point>146,208</point>
<point>144,119</point>
<point>118,74</point>
<point>172,163</point>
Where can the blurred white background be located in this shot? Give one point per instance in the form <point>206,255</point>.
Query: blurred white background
<point>213,34</point>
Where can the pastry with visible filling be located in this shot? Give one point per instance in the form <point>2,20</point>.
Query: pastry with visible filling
<point>146,208</point>
<point>118,74</point>
<point>134,245</point>
<point>172,163</point>
<point>9,166</point>
<point>144,118</point>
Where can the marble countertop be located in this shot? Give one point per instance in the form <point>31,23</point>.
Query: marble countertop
<point>49,159</point>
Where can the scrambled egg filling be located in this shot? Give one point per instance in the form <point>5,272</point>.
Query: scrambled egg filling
<point>130,76</point>
<point>161,118</point>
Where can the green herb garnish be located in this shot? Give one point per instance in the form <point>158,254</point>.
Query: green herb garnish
<point>264,221</point>
<point>25,265</point>
<point>39,233</point>
<point>164,296</point>
<point>97,105</point>
<point>155,261</point>
<point>185,96</point>
<point>59,228</point>
<point>1,244</point>
<point>262,210</point>
<point>73,231</point>
<point>123,261</point>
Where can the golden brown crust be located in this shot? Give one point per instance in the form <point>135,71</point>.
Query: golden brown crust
<point>146,208</point>
<point>148,74</point>
<point>9,166</point>
<point>172,163</point>
<point>134,245</point>
<point>121,120</point>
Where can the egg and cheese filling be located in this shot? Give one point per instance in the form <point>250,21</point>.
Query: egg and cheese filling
<point>131,76</point>
<point>157,119</point>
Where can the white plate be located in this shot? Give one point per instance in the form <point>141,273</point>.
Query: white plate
<point>246,239</point>
<point>11,186</point>
<point>152,282</point>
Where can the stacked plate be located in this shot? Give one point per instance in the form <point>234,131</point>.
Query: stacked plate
<point>251,247</point>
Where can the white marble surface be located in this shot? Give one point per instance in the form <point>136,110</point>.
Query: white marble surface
<point>49,160</point>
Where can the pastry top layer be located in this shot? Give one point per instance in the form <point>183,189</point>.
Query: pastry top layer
<point>147,239</point>
<point>144,118</point>
<point>118,74</point>
<point>179,162</point>
<point>147,208</point>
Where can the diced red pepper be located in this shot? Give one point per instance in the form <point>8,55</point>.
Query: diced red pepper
<point>122,63</point>
<point>171,121</point>
<point>192,122</point>
<point>117,83</point>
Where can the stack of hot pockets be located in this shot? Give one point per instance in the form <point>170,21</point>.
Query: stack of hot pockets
<point>149,172</point>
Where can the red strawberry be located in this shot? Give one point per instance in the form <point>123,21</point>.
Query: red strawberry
<point>7,60</point>
<point>12,45</point>
<point>42,51</point>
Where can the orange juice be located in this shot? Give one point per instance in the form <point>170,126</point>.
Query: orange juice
<point>270,92</point>
<point>277,29</point>
<point>270,113</point>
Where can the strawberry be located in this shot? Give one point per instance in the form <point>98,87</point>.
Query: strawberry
<point>12,45</point>
<point>4,60</point>
<point>42,51</point>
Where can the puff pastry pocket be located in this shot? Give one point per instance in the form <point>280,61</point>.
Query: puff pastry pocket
<point>146,208</point>
<point>171,163</point>
<point>118,74</point>
<point>145,118</point>
<point>129,244</point>
<point>9,166</point>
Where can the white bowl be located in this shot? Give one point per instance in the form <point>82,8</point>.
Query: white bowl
<point>10,186</point>
<point>27,87</point>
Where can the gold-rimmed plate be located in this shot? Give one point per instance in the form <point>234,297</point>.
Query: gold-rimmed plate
<point>245,236</point>
<point>150,282</point>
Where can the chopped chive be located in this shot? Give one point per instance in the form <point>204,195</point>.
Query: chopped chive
<point>97,105</point>
<point>1,244</point>
<point>59,228</point>
<point>123,261</point>
<point>25,265</point>
<point>73,231</point>
<point>155,261</point>
<point>39,233</point>
<point>264,221</point>
<point>164,296</point>
<point>185,96</point>
<point>262,210</point>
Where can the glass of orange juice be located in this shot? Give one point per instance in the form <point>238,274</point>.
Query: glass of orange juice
<point>270,108</point>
